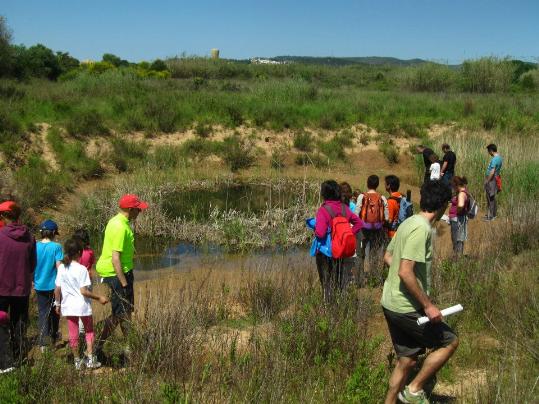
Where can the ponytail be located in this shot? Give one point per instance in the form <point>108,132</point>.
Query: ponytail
<point>72,250</point>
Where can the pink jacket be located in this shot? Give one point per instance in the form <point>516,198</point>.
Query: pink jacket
<point>323,218</point>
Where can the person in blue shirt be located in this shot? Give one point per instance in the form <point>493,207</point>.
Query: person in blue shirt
<point>491,181</point>
<point>49,257</point>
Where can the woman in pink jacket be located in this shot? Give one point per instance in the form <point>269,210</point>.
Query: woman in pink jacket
<point>333,276</point>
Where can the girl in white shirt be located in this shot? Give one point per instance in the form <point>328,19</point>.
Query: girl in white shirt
<point>434,167</point>
<point>72,299</point>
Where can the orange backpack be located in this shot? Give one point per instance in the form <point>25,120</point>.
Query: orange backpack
<point>372,208</point>
<point>343,241</point>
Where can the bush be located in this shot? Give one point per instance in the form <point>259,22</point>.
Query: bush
<point>430,77</point>
<point>303,141</point>
<point>390,151</point>
<point>237,153</point>
<point>487,75</point>
<point>203,130</point>
<point>530,81</point>
<point>127,153</point>
<point>86,122</point>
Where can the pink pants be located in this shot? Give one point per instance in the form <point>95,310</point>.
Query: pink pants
<point>73,328</point>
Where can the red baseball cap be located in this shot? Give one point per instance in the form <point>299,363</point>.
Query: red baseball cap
<point>7,206</point>
<point>132,201</point>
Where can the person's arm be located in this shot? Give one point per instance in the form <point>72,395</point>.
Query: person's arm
<point>407,275</point>
<point>87,293</point>
<point>388,258</point>
<point>117,264</point>
<point>461,202</point>
<point>444,167</point>
<point>386,209</point>
<point>490,176</point>
<point>57,299</point>
<point>355,221</point>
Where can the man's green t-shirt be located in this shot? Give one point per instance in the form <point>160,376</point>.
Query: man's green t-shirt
<point>118,237</point>
<point>412,242</point>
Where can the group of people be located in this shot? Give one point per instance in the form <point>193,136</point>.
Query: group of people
<point>378,222</point>
<point>62,277</point>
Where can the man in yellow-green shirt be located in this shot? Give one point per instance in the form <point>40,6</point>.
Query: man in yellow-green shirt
<point>406,298</point>
<point>115,265</point>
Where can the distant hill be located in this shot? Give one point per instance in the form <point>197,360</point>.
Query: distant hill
<point>343,61</point>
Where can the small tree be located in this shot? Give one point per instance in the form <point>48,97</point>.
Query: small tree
<point>6,53</point>
<point>112,59</point>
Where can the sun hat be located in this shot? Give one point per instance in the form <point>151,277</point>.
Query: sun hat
<point>130,201</point>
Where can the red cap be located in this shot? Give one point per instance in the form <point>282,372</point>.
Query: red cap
<point>132,201</point>
<point>7,206</point>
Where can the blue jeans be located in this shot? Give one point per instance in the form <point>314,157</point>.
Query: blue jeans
<point>48,319</point>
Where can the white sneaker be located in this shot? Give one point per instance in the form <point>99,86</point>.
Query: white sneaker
<point>7,370</point>
<point>78,363</point>
<point>92,362</point>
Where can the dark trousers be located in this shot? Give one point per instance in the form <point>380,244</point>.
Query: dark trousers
<point>48,320</point>
<point>491,189</point>
<point>334,274</point>
<point>13,335</point>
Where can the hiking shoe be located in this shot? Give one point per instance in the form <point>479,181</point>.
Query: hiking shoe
<point>488,219</point>
<point>406,396</point>
<point>92,362</point>
<point>78,363</point>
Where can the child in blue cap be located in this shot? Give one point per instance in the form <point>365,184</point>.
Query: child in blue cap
<point>49,257</point>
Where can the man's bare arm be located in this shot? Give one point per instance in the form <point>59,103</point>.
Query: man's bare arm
<point>444,167</point>
<point>407,275</point>
<point>117,264</point>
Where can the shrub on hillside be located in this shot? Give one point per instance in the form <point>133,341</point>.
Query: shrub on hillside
<point>487,75</point>
<point>303,141</point>
<point>85,122</point>
<point>530,81</point>
<point>430,77</point>
<point>390,151</point>
<point>238,153</point>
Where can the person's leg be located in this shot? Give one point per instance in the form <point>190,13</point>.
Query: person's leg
<point>73,330</point>
<point>434,361</point>
<point>6,352</point>
<point>322,265</point>
<point>454,229</point>
<point>360,259</point>
<point>18,312</point>
<point>398,378</point>
<point>54,319</point>
<point>494,205</point>
<point>89,328</point>
<point>43,308</point>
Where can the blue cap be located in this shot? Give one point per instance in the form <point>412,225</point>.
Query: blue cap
<point>49,225</point>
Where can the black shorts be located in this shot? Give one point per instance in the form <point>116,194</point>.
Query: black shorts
<point>410,339</point>
<point>122,299</point>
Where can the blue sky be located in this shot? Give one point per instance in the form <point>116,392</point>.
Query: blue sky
<point>441,30</point>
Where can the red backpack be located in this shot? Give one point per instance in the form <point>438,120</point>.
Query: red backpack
<point>343,241</point>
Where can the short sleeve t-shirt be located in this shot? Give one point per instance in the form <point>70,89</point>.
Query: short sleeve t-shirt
<point>451,160</point>
<point>48,253</point>
<point>118,237</point>
<point>71,279</point>
<point>88,258</point>
<point>495,163</point>
<point>413,242</point>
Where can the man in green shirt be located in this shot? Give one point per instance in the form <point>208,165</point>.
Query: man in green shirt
<point>406,298</point>
<point>115,265</point>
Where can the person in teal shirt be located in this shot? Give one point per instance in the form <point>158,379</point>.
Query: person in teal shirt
<point>492,176</point>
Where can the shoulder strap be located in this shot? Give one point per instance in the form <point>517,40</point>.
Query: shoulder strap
<point>343,207</point>
<point>330,211</point>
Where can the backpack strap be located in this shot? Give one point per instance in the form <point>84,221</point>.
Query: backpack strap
<point>330,211</point>
<point>343,207</point>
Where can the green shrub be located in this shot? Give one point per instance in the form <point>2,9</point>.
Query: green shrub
<point>127,153</point>
<point>303,141</point>
<point>72,157</point>
<point>529,81</point>
<point>238,153</point>
<point>487,75</point>
<point>390,151</point>
<point>430,77</point>
<point>203,130</point>
<point>335,148</point>
<point>85,122</point>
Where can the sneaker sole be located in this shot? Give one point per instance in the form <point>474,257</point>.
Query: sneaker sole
<point>402,399</point>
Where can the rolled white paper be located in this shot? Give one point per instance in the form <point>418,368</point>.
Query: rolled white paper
<point>445,312</point>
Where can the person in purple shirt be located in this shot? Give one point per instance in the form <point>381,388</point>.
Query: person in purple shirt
<point>333,276</point>
<point>17,262</point>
